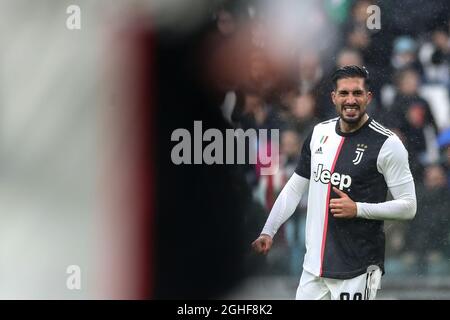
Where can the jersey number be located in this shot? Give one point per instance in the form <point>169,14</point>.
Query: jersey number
<point>346,296</point>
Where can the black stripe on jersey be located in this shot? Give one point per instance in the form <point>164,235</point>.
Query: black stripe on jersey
<point>368,287</point>
<point>365,289</point>
<point>304,163</point>
<point>352,245</point>
<point>329,121</point>
<point>376,124</point>
<point>379,130</point>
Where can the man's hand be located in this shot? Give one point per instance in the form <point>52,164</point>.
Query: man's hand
<point>262,244</point>
<point>343,207</point>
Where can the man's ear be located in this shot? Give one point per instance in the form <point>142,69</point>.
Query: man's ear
<point>369,97</point>
<point>333,97</point>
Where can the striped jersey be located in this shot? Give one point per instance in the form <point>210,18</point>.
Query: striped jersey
<point>363,164</point>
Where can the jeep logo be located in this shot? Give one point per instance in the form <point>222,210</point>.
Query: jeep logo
<point>339,180</point>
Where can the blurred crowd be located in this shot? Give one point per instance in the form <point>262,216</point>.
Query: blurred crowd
<point>271,85</point>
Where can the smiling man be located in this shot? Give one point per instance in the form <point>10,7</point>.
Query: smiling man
<point>347,167</point>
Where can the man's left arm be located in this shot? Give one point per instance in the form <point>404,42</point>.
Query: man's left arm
<point>393,164</point>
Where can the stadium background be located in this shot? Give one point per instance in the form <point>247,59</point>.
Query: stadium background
<point>85,141</point>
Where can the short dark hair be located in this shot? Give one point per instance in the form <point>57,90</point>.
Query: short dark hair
<point>351,72</point>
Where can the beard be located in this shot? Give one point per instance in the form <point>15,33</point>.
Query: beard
<point>353,117</point>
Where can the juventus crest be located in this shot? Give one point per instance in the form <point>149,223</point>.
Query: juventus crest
<point>359,153</point>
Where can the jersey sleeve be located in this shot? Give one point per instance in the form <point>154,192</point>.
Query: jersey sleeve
<point>285,204</point>
<point>392,162</point>
<point>304,164</point>
<point>403,207</point>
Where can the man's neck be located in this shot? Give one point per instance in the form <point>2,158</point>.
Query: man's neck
<point>351,127</point>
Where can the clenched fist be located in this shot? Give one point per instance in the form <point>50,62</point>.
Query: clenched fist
<point>262,244</point>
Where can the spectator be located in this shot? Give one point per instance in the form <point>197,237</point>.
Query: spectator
<point>257,114</point>
<point>310,71</point>
<point>348,57</point>
<point>291,246</point>
<point>404,55</point>
<point>412,119</point>
<point>446,160</point>
<point>435,57</point>
<point>310,80</point>
<point>427,237</point>
<point>444,145</point>
<point>290,152</point>
<point>303,117</point>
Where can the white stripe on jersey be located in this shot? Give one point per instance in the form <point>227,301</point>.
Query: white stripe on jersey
<point>379,130</point>
<point>376,124</point>
<point>318,193</point>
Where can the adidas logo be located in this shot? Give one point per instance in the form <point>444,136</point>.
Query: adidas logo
<point>319,151</point>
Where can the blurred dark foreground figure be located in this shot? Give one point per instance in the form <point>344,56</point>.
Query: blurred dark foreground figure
<point>204,213</point>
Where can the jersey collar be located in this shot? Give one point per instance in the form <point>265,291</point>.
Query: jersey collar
<point>349,134</point>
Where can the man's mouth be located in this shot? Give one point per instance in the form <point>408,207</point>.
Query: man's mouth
<point>350,110</point>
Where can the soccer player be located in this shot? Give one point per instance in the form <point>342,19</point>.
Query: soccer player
<point>348,165</point>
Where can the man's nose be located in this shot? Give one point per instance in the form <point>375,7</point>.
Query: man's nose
<point>350,99</point>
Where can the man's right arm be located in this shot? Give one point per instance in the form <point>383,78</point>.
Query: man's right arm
<point>287,200</point>
<point>286,203</point>
<point>282,209</point>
